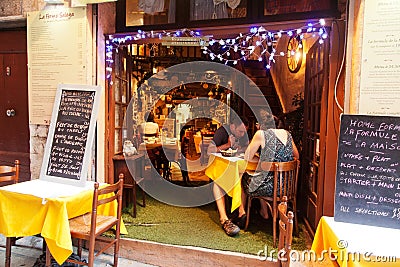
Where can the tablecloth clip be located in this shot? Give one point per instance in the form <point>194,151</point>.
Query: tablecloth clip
<point>44,201</point>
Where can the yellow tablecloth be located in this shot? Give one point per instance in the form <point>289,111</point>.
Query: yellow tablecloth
<point>227,172</point>
<point>28,214</point>
<point>354,245</point>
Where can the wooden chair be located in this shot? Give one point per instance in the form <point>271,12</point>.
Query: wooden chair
<point>285,233</point>
<point>287,174</point>
<point>9,175</point>
<point>165,157</point>
<point>205,142</point>
<point>182,160</point>
<point>191,145</point>
<point>91,226</point>
<point>132,186</point>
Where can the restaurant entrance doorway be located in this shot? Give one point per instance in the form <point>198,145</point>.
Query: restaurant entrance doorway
<point>316,112</point>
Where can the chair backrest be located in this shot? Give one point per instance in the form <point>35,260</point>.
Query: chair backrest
<point>150,135</point>
<point>205,142</point>
<point>285,232</point>
<point>106,195</point>
<point>9,174</point>
<point>206,138</point>
<point>287,174</point>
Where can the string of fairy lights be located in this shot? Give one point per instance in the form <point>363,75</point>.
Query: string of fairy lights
<point>258,43</point>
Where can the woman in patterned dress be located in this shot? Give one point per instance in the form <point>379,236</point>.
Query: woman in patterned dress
<point>276,146</point>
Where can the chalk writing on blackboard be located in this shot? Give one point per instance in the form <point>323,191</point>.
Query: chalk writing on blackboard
<point>70,134</point>
<point>367,177</point>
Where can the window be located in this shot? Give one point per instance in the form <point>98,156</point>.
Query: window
<point>147,15</point>
<point>150,12</point>
<point>121,97</point>
<point>217,9</point>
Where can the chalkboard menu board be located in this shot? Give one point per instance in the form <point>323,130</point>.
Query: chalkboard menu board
<point>71,133</point>
<point>367,177</point>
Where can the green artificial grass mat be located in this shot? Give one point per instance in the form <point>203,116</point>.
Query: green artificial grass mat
<point>199,227</point>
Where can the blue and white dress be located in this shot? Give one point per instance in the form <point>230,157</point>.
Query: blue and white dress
<point>274,150</point>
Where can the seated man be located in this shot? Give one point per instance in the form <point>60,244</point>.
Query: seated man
<point>232,136</point>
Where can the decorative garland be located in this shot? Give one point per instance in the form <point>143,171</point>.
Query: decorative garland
<point>258,42</point>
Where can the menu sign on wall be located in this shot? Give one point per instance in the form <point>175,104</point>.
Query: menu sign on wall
<point>71,133</point>
<point>380,68</point>
<point>57,53</point>
<point>367,178</point>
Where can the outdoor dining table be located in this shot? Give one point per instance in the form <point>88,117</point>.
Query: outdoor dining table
<point>226,172</point>
<point>43,207</point>
<point>355,245</point>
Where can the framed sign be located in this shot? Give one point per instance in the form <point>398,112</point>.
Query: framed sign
<point>368,171</point>
<point>71,133</point>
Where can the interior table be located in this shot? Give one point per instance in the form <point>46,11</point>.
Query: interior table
<point>227,172</point>
<point>355,245</point>
<point>171,150</point>
<point>42,207</point>
<point>161,155</point>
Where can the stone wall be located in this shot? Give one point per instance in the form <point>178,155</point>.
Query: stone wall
<point>13,12</point>
<point>288,84</point>
<point>37,144</point>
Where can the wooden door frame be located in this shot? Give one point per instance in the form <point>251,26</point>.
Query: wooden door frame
<point>324,50</point>
<point>323,132</point>
<point>110,115</point>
